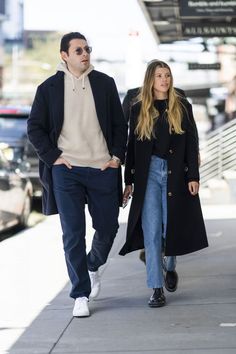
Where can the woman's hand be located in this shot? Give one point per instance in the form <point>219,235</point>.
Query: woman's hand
<point>127,194</point>
<point>193,187</point>
<point>62,161</point>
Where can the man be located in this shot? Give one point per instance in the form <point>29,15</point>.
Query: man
<point>79,132</point>
<point>169,263</point>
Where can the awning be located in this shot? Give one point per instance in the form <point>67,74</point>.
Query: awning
<point>174,20</point>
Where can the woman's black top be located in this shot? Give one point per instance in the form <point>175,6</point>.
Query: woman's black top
<point>161,140</point>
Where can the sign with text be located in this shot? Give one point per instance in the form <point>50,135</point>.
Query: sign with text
<point>202,66</point>
<point>209,30</point>
<point>210,8</point>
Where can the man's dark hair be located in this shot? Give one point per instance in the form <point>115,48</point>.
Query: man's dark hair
<point>65,41</point>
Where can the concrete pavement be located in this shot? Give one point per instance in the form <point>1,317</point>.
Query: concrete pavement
<point>199,318</point>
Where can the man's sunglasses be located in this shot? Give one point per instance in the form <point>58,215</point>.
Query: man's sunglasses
<point>87,49</point>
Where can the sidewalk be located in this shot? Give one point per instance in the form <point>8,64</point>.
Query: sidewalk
<point>199,318</point>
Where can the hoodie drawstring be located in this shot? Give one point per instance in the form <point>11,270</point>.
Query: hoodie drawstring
<point>83,82</point>
<point>73,82</point>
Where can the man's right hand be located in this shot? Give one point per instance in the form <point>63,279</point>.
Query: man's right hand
<point>62,161</point>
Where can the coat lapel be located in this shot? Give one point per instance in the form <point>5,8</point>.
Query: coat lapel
<point>57,92</point>
<point>99,99</point>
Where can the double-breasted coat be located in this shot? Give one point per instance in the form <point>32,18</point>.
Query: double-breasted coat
<point>185,226</point>
<point>46,121</point>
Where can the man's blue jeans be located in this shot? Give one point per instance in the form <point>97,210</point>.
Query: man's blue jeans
<point>72,189</point>
<point>154,220</point>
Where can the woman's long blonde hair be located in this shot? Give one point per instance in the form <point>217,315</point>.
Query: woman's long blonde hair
<point>148,113</point>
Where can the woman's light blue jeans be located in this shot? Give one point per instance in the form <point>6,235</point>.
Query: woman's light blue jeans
<point>154,220</point>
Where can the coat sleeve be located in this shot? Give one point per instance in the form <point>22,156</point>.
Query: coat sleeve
<point>192,148</point>
<point>130,155</point>
<point>126,105</point>
<point>38,130</point>
<point>119,125</point>
<point>129,100</point>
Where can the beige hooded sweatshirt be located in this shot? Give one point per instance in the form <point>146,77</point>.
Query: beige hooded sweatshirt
<point>81,139</point>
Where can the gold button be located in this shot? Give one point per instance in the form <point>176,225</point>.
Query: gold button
<point>170,194</point>
<point>171,151</point>
<point>169,172</point>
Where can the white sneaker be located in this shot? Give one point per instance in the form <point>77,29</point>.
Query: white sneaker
<point>95,284</point>
<point>81,307</point>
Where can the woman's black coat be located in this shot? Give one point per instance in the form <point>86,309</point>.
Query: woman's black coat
<point>185,226</point>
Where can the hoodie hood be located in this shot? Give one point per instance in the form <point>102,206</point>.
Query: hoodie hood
<point>63,67</point>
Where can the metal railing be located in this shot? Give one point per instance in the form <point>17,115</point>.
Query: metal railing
<point>218,152</point>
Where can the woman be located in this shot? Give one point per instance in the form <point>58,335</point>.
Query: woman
<point>162,173</point>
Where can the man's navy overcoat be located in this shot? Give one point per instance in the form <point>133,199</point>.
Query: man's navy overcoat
<point>46,120</point>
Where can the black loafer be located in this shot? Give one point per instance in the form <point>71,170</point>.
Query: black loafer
<point>171,280</point>
<point>157,299</point>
